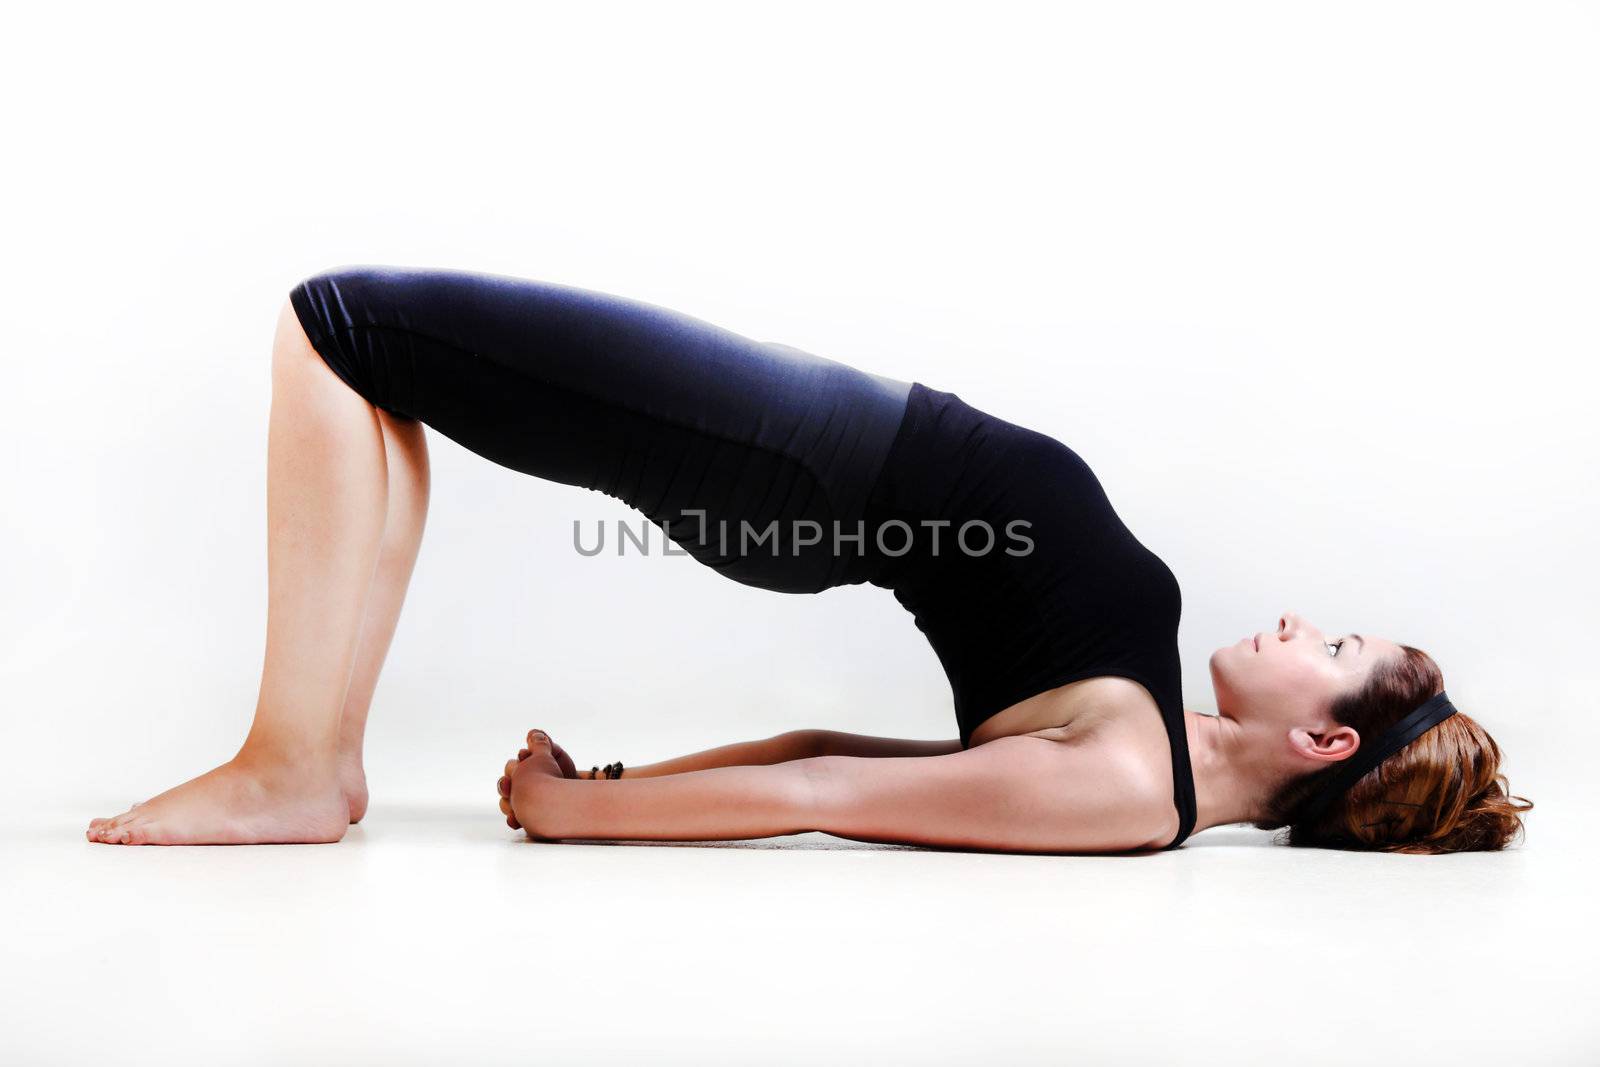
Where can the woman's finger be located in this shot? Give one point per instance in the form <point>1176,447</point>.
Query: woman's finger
<point>568,768</point>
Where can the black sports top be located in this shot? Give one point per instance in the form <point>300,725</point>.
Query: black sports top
<point>1084,599</point>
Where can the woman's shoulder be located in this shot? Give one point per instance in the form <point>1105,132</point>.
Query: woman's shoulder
<point>1127,735</point>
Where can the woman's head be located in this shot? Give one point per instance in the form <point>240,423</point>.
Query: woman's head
<point>1303,702</point>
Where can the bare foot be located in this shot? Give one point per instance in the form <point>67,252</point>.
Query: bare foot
<point>238,803</point>
<point>96,823</point>
<point>353,783</point>
<point>547,758</point>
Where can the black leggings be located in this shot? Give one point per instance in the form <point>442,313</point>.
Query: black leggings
<point>698,428</point>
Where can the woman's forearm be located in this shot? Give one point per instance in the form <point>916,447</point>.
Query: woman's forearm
<point>839,743</point>
<point>713,804</point>
<point>795,744</point>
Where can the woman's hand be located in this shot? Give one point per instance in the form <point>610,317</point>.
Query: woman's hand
<point>542,757</point>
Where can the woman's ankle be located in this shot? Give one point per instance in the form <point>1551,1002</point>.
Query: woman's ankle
<point>292,763</point>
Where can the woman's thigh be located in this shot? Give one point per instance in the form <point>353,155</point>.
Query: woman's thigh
<point>699,428</point>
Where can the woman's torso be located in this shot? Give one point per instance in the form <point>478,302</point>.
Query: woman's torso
<point>1066,626</point>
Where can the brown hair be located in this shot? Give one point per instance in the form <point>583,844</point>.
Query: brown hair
<point>1441,793</point>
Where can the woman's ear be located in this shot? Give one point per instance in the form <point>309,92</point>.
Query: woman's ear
<point>1327,746</point>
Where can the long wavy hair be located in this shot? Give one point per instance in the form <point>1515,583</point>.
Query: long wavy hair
<point>1444,792</point>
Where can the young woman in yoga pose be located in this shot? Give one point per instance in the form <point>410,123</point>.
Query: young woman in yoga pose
<point>1056,627</point>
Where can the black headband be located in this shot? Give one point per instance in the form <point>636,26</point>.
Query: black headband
<point>1434,711</point>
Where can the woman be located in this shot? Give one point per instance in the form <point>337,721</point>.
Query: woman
<point>791,472</point>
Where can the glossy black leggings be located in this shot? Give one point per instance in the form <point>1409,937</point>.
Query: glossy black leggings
<point>696,427</point>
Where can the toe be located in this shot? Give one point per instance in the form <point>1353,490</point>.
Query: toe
<point>126,821</point>
<point>504,785</point>
<point>511,767</point>
<point>522,754</point>
<point>116,819</point>
<point>537,737</point>
<point>505,806</point>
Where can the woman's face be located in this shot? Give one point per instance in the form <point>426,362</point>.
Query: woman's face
<point>1291,675</point>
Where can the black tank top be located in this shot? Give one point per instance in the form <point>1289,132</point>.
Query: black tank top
<point>1064,592</point>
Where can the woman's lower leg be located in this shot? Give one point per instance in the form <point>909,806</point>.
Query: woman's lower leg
<point>327,488</point>
<point>406,451</point>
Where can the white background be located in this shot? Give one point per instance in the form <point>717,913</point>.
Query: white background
<point>1311,288</point>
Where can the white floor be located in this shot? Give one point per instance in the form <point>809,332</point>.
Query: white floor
<point>433,934</point>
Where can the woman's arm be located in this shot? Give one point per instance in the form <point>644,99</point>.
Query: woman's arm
<point>839,743</point>
<point>1014,793</point>
<point>793,745</point>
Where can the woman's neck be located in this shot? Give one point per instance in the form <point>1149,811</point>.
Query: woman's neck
<point>1226,789</point>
